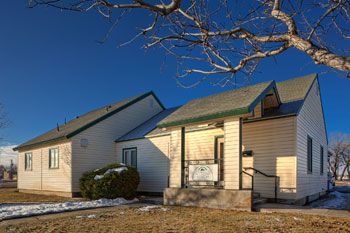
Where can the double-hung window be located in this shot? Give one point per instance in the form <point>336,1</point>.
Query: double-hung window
<point>53,158</point>
<point>130,157</point>
<point>28,161</point>
<point>309,154</point>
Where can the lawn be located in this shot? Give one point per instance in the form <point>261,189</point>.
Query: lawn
<point>11,195</point>
<point>177,219</point>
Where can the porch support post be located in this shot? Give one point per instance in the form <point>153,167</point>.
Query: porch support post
<point>183,157</point>
<point>175,163</point>
<point>233,155</point>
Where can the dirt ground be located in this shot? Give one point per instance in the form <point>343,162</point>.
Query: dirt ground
<point>11,195</point>
<point>174,219</point>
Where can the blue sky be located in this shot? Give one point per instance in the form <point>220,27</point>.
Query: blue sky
<point>52,68</point>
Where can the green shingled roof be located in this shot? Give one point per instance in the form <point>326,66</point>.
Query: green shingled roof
<point>82,122</point>
<point>230,103</point>
<point>241,101</point>
<point>295,89</point>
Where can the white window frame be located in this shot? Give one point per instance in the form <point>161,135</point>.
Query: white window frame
<point>28,161</point>
<point>127,157</point>
<point>53,158</point>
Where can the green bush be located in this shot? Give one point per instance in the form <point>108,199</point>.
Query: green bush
<point>113,185</point>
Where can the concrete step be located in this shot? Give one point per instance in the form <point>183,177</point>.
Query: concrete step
<point>151,200</point>
<point>256,195</point>
<point>259,200</point>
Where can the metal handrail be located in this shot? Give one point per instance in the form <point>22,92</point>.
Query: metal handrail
<point>251,176</point>
<point>264,174</point>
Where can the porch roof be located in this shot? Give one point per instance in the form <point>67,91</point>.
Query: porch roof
<point>230,103</point>
<point>291,94</point>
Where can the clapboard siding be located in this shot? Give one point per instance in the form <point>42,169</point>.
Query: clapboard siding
<point>175,158</point>
<point>310,122</point>
<point>43,178</point>
<point>232,153</point>
<point>101,146</point>
<point>201,144</point>
<point>273,145</point>
<point>246,179</point>
<point>152,161</point>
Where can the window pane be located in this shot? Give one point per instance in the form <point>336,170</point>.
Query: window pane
<point>133,158</point>
<point>53,158</point>
<point>28,161</point>
<point>126,155</point>
<point>309,154</point>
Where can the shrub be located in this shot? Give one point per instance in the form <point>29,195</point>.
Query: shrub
<point>110,185</point>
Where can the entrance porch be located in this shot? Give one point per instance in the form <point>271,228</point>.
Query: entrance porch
<point>206,166</point>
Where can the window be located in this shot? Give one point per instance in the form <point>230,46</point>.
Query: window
<point>130,156</point>
<point>309,154</point>
<point>53,158</point>
<point>28,161</point>
<point>321,160</point>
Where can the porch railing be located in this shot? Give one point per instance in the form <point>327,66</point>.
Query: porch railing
<point>276,178</point>
<point>204,172</point>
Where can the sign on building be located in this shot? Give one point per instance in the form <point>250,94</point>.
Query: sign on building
<point>203,172</point>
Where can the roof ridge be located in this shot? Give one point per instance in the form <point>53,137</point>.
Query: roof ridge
<point>76,129</point>
<point>312,75</point>
<point>256,84</point>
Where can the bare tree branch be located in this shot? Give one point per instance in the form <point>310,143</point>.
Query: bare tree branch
<point>221,34</point>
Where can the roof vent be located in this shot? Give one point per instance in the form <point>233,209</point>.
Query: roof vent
<point>58,127</point>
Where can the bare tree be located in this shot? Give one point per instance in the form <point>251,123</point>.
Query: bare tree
<point>227,38</point>
<point>345,161</point>
<point>4,122</point>
<point>339,149</point>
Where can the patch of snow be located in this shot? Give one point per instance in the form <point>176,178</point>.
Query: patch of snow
<point>297,219</point>
<point>336,200</point>
<point>86,216</point>
<point>16,211</point>
<point>98,177</point>
<point>151,207</point>
<point>119,170</point>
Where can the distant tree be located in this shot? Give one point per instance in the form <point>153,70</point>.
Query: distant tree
<point>4,121</point>
<point>227,38</point>
<point>339,150</point>
<point>345,162</point>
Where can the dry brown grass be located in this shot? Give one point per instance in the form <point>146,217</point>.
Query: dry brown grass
<point>11,195</point>
<point>179,219</point>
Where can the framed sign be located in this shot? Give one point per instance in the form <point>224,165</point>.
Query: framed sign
<point>203,172</point>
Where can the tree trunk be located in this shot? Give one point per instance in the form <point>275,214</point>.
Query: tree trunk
<point>343,172</point>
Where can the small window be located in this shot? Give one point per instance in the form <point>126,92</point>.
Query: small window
<point>28,161</point>
<point>321,160</point>
<point>309,154</point>
<point>53,158</point>
<point>130,157</point>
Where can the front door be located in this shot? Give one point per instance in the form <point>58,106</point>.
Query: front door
<point>220,157</point>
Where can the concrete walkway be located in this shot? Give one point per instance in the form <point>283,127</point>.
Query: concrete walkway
<point>318,207</point>
<point>281,208</point>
